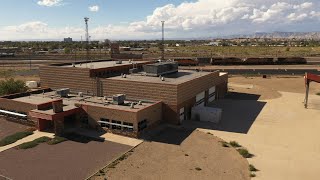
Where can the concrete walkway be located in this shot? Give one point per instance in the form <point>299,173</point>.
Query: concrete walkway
<point>283,137</point>
<point>35,135</point>
<point>121,139</point>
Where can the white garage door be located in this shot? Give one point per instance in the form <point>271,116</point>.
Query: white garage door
<point>200,99</point>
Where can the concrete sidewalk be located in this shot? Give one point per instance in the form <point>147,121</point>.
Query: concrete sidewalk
<point>35,135</point>
<point>121,139</point>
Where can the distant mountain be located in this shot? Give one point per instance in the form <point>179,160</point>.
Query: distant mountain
<point>281,35</point>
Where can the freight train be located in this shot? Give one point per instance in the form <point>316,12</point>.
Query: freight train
<point>250,61</point>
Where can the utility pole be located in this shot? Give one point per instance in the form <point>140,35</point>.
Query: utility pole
<point>162,55</point>
<point>86,19</point>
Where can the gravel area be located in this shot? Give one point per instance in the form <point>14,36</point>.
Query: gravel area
<point>199,156</point>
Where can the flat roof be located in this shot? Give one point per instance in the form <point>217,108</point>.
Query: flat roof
<point>175,78</point>
<point>102,64</point>
<point>85,100</point>
<point>34,99</point>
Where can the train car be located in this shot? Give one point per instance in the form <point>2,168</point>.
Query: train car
<point>290,60</point>
<point>258,61</point>
<point>226,61</point>
<point>204,60</point>
<point>187,62</point>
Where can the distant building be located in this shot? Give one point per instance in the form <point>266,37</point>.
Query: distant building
<point>68,39</point>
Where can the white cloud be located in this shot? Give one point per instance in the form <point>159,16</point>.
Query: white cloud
<point>94,8</point>
<point>50,3</point>
<point>202,18</point>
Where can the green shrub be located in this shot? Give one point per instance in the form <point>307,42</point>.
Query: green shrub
<point>198,169</point>
<point>252,168</point>
<point>245,153</point>
<point>252,175</point>
<point>14,138</point>
<point>56,140</point>
<point>11,86</point>
<point>234,144</point>
<point>318,93</point>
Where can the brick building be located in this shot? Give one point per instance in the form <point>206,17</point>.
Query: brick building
<point>161,93</point>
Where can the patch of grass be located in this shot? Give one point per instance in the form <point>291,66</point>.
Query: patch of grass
<point>252,168</point>
<point>34,143</point>
<point>234,144</point>
<point>253,175</point>
<point>245,153</point>
<point>28,145</point>
<point>198,169</point>
<point>56,140</point>
<point>14,138</point>
<point>42,139</point>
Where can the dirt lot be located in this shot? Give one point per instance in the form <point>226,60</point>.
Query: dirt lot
<point>67,160</point>
<point>269,88</point>
<point>8,128</point>
<point>163,158</point>
<point>270,120</point>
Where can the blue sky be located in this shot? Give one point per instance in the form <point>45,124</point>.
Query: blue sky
<point>140,19</point>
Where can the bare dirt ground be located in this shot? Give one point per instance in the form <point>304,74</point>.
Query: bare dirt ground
<point>163,158</point>
<point>269,88</point>
<point>8,128</point>
<point>67,160</point>
<point>270,120</point>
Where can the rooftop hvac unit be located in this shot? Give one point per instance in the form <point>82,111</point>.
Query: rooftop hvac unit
<point>63,92</point>
<point>119,99</point>
<point>32,84</point>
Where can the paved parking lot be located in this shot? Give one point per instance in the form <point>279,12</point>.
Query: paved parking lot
<point>7,128</point>
<point>67,160</point>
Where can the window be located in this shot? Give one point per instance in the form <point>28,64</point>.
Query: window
<point>142,125</point>
<point>127,126</point>
<point>115,126</point>
<point>104,123</point>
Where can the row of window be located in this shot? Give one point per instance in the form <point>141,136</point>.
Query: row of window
<point>114,124</point>
<point>125,126</point>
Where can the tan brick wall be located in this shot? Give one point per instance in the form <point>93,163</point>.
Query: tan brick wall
<point>95,113</point>
<point>77,79</point>
<point>12,105</point>
<point>153,114</point>
<point>166,93</point>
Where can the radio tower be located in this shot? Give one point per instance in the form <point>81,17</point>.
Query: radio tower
<point>86,19</point>
<point>162,55</point>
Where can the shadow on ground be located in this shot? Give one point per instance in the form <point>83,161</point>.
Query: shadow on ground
<point>82,135</point>
<point>240,111</point>
<point>168,134</point>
